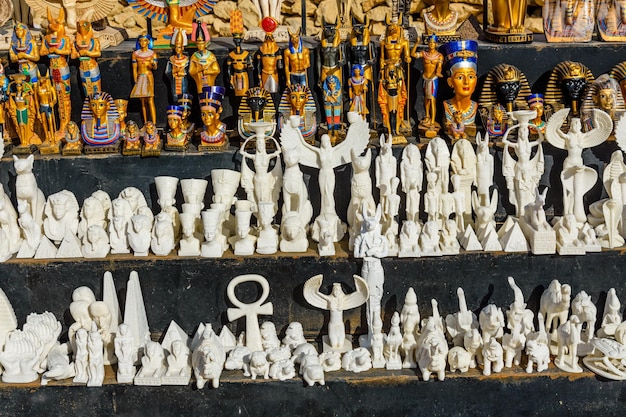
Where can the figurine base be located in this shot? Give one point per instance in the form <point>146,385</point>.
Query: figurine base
<point>72,150</point>
<point>93,150</point>
<point>428,132</point>
<point>347,345</point>
<point>177,147</point>
<point>125,379</point>
<point>176,380</point>
<point>569,249</point>
<point>399,140</point>
<point>213,148</point>
<point>131,151</point>
<point>147,152</point>
<point>50,149</point>
<point>441,39</point>
<point>24,149</point>
<point>500,37</point>
<point>541,242</point>
<point>20,378</point>
<point>562,365</point>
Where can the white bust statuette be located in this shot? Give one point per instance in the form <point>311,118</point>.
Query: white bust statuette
<point>61,216</point>
<point>95,242</point>
<point>576,178</point>
<point>152,365</point>
<point>267,242</point>
<point>411,175</point>
<point>250,311</point>
<point>243,242</point>
<point>119,219</point>
<point>188,245</point>
<point>208,358</point>
<point>125,352</point>
<point>554,306</point>
<point>409,235</point>
<point>336,302</point>
<point>162,242</point>
<point>91,214</point>
<point>293,233</point>
<point>194,190</point>
<point>95,348</point>
<point>139,234</point>
<point>215,242</point>
<point>568,338</point>
<point>135,198</point>
<point>26,188</point>
<point>522,176</point>
<point>166,193</point>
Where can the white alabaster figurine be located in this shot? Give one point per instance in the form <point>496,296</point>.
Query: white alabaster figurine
<point>377,345</point>
<point>81,357</point>
<point>267,242</point>
<point>586,311</point>
<point>493,357</point>
<point>95,348</point>
<point>124,351</point>
<point>189,245</point>
<point>262,184</point>
<point>331,361</point>
<point>432,351</point>
<point>412,177</point>
<point>91,214</point>
<point>554,306</point>
<point>178,364</point>
<point>484,168</point>
<point>391,209</point>
<point>536,229</point>
<point>429,239</point>
<point>82,298</point>
<point>567,232</point>
<point>568,339</point>
<point>119,218</point>
<point>612,316</point>
<point>250,311</point>
<point>135,314</point>
<point>431,198</point>
<point>326,158</point>
<point>195,209</point>
<point>463,165</point>
<point>208,359</point>
<point>282,370</point>
<point>461,322</point>
<point>215,242</point>
<point>294,335</point>
<point>537,348</point>
<point>336,302</point>
<point>522,176</point>
<point>269,338</point>
<point>437,159</point>
<point>326,235</point>
<point>311,370</point>
<point>520,323</point>
<point>410,315</point>
<point>61,216</point>
<point>293,233</point>
<point>576,178</point>
<point>361,197</point>
<point>462,202</point>
<point>243,243</point>
<point>58,364</point>
<point>394,343</point>
<point>166,192</point>
<point>485,214</point>
<point>30,230</point>
<point>152,365</point>
<point>95,242</point>
<point>295,193</point>
<point>491,320</point>
<point>138,234</point>
<point>193,190</point>
<point>26,188</point>
<point>459,359</point>
<point>386,167</point>
<point>8,223</point>
<point>106,323</point>
<point>235,359</point>
<point>225,184</point>
<point>448,243</point>
<point>371,245</point>
<point>409,235</point>
<point>257,365</point>
<point>136,200</point>
<point>162,242</point>
<point>473,343</point>
<point>357,360</point>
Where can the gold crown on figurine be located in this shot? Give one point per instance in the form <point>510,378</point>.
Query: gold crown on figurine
<point>258,92</point>
<point>509,73</point>
<point>574,70</point>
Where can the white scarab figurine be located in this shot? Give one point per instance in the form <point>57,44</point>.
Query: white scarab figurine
<point>330,361</point>
<point>357,360</point>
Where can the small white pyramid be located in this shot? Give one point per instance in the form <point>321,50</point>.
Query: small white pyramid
<point>469,241</point>
<point>228,339</point>
<point>174,332</point>
<point>490,242</point>
<point>135,313</point>
<point>514,240</point>
<point>504,229</point>
<point>46,249</point>
<point>70,247</point>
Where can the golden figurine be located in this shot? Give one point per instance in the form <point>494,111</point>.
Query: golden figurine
<point>178,66</point>
<point>298,100</point>
<point>24,51</point>
<point>297,60</point>
<point>132,142</point>
<point>331,52</point>
<point>565,87</point>
<point>46,99</point>
<point>177,136</point>
<point>239,61</point>
<point>603,94</point>
<point>508,22</point>
<point>185,101</point>
<point>568,20</point>
<point>611,18</point>
<point>87,49</point>
<point>537,126</point>
<point>122,110</point>
<point>358,87</point>
<point>440,20</point>
<point>100,127</point>
<point>461,64</point>
<point>151,140</point>
<point>73,143</point>
<point>213,135</point>
<point>268,60</point>
<point>363,54</point>
<point>258,106</point>
<point>203,66</point>
<point>58,47</point>
<point>144,62</point>
<point>22,109</point>
<point>432,61</point>
<point>392,92</point>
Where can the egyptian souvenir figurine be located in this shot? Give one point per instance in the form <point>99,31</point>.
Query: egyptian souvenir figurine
<point>144,62</point>
<point>122,110</point>
<point>213,135</point>
<point>611,20</point>
<point>331,52</point>
<point>618,72</point>
<point>258,106</point>
<point>432,61</point>
<point>73,143</point>
<point>392,91</point>
<point>178,66</point>
<point>297,60</point>
<point>239,61</point>
<point>331,87</point>
<point>603,94</point>
<point>24,51</point>
<point>4,97</point>
<point>363,53</point>
<point>358,87</point>
<point>177,136</point>
<point>565,87</point>
<point>568,20</point>
<point>46,100</point>
<point>151,140</point>
<point>461,60</point>
<point>87,49</point>
<point>441,20</point>
<point>537,125</point>
<point>508,23</point>
<point>203,66</point>
<point>132,142</point>
<point>185,101</point>
<point>100,128</point>
<point>22,109</point>
<point>298,100</point>
<point>57,46</point>
<point>268,61</point>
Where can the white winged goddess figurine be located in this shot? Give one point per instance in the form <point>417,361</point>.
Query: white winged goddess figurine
<point>577,179</point>
<point>336,302</point>
<point>522,176</point>
<point>326,158</point>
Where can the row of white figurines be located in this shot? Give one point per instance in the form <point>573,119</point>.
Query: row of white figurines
<point>462,341</point>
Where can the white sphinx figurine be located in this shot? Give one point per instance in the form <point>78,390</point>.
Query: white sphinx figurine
<point>293,233</point>
<point>262,184</point>
<point>125,352</point>
<point>119,219</point>
<point>567,233</point>
<point>163,241</point>
<point>138,233</point>
<point>189,245</point>
<point>576,178</point>
<point>409,235</point>
<point>61,216</point>
<point>522,176</point>
<point>95,242</point>
<point>412,177</point>
<point>152,365</point>
<point>437,159</point>
<point>166,192</point>
<point>215,242</point>
<point>429,239</point>
<point>26,188</point>
<point>326,158</point>
<point>336,302</point>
